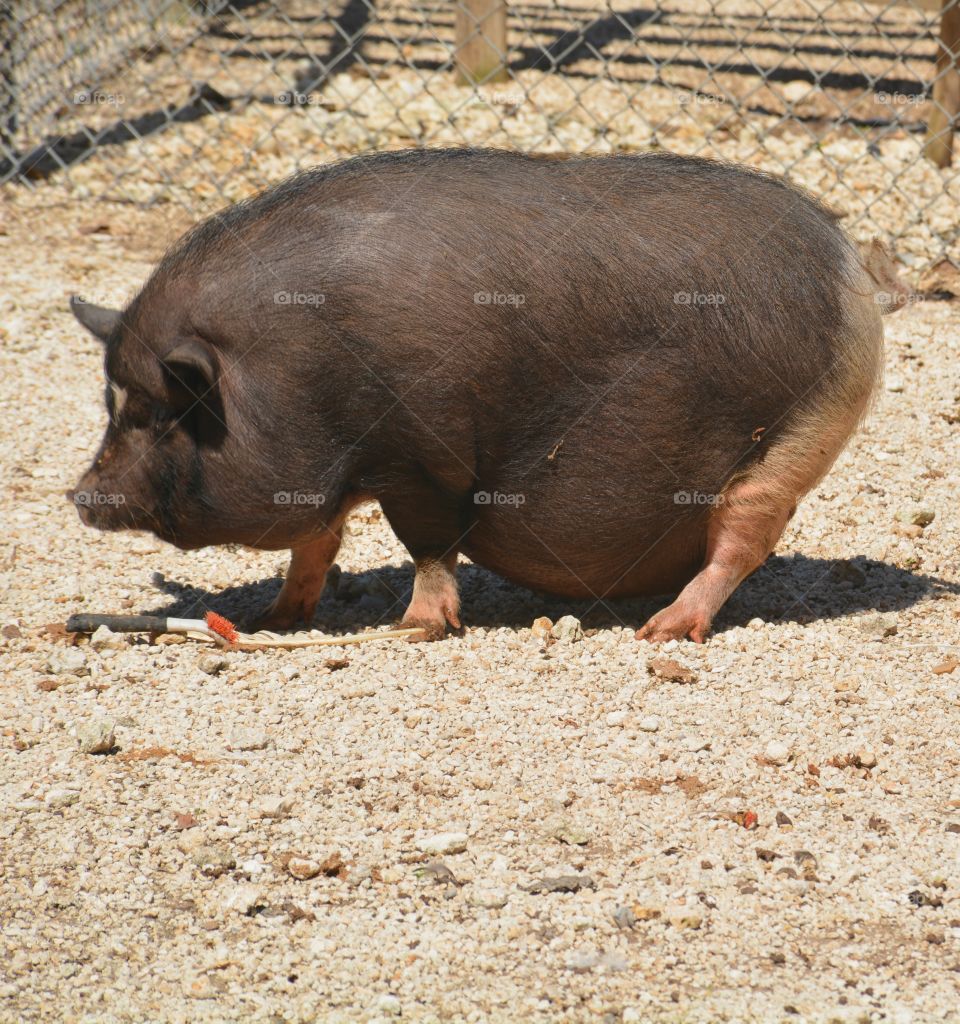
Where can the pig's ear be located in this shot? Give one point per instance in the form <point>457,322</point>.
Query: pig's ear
<point>193,366</point>
<point>98,320</point>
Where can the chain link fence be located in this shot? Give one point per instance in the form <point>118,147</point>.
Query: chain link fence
<point>199,104</point>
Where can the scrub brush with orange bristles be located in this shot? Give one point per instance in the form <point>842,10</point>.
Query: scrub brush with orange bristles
<point>220,630</point>
<point>213,625</point>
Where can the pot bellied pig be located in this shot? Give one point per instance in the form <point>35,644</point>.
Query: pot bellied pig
<point>597,377</point>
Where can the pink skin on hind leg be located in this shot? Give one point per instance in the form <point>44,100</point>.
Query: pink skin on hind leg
<point>436,600</point>
<point>742,532</point>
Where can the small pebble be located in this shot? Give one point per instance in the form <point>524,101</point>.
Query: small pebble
<point>567,629</point>
<point>682,916</point>
<point>61,797</point>
<point>67,661</point>
<point>777,752</point>
<point>212,664</point>
<point>275,807</point>
<point>444,843</point>
<point>541,627</point>
<point>650,723</point>
<point>104,639</point>
<point>490,899</point>
<point>388,1004</point>
<point>95,736</point>
<point>213,861</point>
<point>303,868</point>
<point>694,744</point>
<point>249,739</point>
<point>242,900</point>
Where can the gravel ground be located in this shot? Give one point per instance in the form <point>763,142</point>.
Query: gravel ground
<point>767,829</point>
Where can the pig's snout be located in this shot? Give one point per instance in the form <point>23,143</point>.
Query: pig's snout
<point>98,506</point>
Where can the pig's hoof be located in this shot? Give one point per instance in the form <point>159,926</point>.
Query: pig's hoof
<point>434,629</point>
<point>279,619</point>
<point>674,624</point>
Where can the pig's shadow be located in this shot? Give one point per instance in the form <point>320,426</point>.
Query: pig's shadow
<point>786,589</point>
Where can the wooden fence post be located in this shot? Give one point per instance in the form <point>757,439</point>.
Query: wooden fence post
<point>481,41</point>
<point>946,89</point>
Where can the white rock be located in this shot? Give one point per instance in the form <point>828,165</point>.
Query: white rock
<point>796,92</point>
<point>95,736</point>
<point>303,868</point>
<point>249,739</point>
<point>444,843</point>
<point>252,868</point>
<point>276,807</point>
<point>104,639</point>
<point>777,752</point>
<point>67,661</point>
<point>832,778</point>
<point>212,664</point>
<point>650,723</point>
<point>696,743</point>
<point>491,899</point>
<point>615,718</point>
<point>388,1004</point>
<point>61,797</point>
<point>242,899</point>
<point>568,629</point>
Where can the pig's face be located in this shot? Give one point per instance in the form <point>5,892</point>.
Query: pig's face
<point>166,417</point>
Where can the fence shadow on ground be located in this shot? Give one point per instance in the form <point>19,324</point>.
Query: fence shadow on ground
<point>311,50</point>
<point>786,589</point>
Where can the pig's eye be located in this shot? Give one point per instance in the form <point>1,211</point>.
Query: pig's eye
<point>162,419</point>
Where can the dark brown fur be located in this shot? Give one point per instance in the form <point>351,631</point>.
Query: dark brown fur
<point>590,403</point>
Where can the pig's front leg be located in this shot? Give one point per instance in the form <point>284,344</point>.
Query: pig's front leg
<point>436,600</point>
<point>426,520</point>
<point>304,582</point>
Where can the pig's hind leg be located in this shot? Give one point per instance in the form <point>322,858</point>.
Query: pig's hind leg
<point>304,582</point>
<point>755,508</point>
<point>741,534</point>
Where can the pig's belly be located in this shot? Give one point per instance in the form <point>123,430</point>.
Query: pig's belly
<point>555,554</point>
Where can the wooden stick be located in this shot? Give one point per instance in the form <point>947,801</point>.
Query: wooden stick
<point>265,640</point>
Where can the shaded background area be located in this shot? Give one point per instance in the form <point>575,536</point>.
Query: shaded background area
<point>221,98</point>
